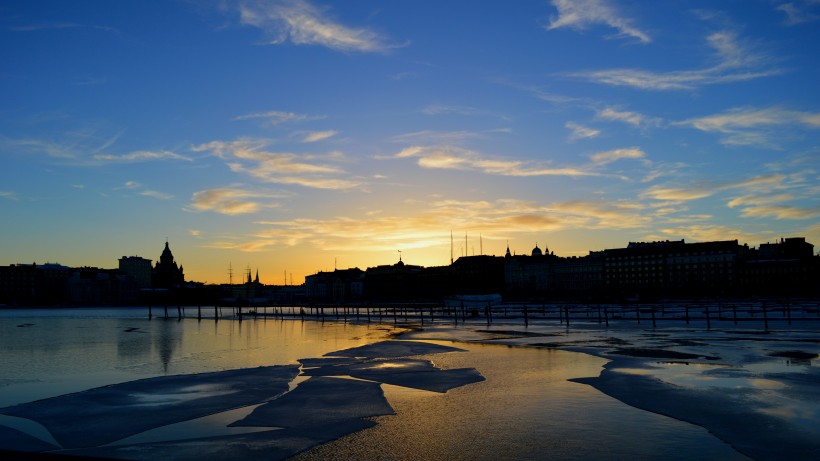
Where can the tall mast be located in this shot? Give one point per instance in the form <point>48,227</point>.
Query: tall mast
<point>451,246</point>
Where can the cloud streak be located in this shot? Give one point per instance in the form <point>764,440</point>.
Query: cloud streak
<point>231,201</point>
<point>276,117</point>
<point>141,156</point>
<point>580,14</point>
<point>736,63</point>
<point>703,190</point>
<point>457,158</point>
<point>749,126</point>
<point>580,132</point>
<point>301,23</point>
<point>251,158</point>
<point>316,136</point>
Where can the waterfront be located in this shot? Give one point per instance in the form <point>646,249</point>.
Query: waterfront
<point>526,407</point>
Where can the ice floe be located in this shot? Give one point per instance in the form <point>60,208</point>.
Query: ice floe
<point>340,392</point>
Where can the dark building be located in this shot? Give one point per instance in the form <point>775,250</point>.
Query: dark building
<point>528,276</point>
<point>138,268</point>
<point>392,283</point>
<point>477,275</point>
<point>672,268</point>
<point>788,267</point>
<point>339,286</point>
<point>166,273</point>
<point>578,276</point>
<point>90,286</point>
<point>33,284</point>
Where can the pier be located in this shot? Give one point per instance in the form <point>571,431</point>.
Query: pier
<point>711,313</point>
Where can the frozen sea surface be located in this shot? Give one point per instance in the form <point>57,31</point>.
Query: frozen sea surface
<point>757,390</point>
<point>342,391</point>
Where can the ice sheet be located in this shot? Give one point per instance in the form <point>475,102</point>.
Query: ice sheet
<point>103,415</point>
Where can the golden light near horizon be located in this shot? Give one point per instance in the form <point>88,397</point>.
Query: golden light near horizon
<point>366,129</point>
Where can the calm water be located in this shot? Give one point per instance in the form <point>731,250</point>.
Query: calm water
<point>526,409</point>
<point>50,352</point>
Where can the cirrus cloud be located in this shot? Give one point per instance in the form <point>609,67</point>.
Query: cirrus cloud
<point>231,201</point>
<point>302,23</point>
<point>251,157</point>
<point>580,14</point>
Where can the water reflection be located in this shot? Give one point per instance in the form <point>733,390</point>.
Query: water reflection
<point>526,409</point>
<point>62,351</point>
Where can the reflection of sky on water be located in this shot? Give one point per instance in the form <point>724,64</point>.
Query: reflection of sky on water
<point>69,350</point>
<point>526,409</point>
<point>185,394</point>
<point>768,384</point>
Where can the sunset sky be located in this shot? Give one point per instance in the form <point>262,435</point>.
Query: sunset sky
<point>292,136</point>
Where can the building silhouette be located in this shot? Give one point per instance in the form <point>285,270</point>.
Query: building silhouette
<point>166,273</point>
<point>139,268</point>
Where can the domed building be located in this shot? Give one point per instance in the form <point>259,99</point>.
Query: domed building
<point>166,273</point>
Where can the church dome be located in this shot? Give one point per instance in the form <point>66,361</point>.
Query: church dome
<point>537,251</point>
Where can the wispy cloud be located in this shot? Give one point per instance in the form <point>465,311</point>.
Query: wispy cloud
<point>457,158</point>
<point>442,109</point>
<point>775,206</point>
<point>736,62</point>
<point>276,117</point>
<point>708,189</point>
<point>8,195</point>
<point>302,23</point>
<point>232,201</point>
<point>580,14</point>
<point>580,132</point>
<point>781,212</point>
<point>36,27</point>
<point>632,118</point>
<point>156,194</point>
<point>705,233</point>
<point>141,156</point>
<point>749,126</point>
<point>799,12</point>
<point>605,158</point>
<point>436,137</point>
<point>251,157</point>
<point>316,136</point>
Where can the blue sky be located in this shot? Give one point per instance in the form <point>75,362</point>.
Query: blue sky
<point>292,136</point>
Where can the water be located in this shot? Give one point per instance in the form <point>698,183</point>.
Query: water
<point>526,409</point>
<point>50,352</point>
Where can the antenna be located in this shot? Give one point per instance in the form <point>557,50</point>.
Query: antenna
<point>230,274</point>
<point>465,244</point>
<point>451,246</point>
<point>481,244</point>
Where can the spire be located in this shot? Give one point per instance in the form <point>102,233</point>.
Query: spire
<point>256,281</point>
<point>507,255</point>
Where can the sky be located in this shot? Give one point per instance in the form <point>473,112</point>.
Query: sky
<point>297,136</point>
